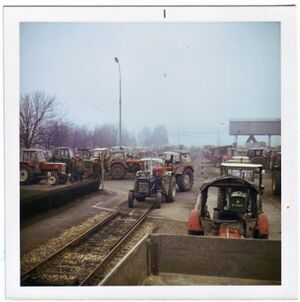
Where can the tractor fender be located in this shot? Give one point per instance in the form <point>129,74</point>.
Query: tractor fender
<point>194,223</point>
<point>263,224</point>
<point>180,170</point>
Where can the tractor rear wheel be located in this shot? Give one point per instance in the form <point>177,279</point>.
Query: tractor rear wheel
<point>185,180</point>
<point>171,191</point>
<point>117,171</point>
<point>130,199</point>
<point>158,199</point>
<point>26,175</point>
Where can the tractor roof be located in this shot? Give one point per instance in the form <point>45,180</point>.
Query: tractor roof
<point>33,150</point>
<point>229,181</point>
<point>241,165</point>
<point>258,148</point>
<point>152,158</point>
<point>61,148</point>
<point>99,149</point>
<point>176,152</point>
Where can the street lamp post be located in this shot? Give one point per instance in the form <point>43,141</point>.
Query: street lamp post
<point>120,104</point>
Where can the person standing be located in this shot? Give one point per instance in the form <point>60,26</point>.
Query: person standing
<point>80,169</point>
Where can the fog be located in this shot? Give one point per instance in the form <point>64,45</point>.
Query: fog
<point>191,77</point>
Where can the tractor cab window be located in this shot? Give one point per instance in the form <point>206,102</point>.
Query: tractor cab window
<point>96,154</point>
<point>251,153</point>
<point>185,158</point>
<point>71,153</point>
<point>26,156</point>
<point>259,152</point>
<point>64,153</point>
<point>150,164</point>
<point>40,156</point>
<point>118,155</point>
<point>247,174</point>
<point>85,154</point>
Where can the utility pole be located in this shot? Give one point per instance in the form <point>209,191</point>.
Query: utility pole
<point>120,104</point>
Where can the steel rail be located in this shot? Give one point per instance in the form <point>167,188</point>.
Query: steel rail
<point>27,273</point>
<point>117,245</point>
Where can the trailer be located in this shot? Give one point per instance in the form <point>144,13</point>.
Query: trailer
<point>160,259</point>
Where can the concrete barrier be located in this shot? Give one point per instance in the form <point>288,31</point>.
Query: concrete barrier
<point>133,269</point>
<point>33,202</point>
<point>203,256</point>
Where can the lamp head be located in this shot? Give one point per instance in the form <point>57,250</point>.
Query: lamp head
<point>116,59</point>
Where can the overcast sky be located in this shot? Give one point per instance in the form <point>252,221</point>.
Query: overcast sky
<point>192,77</point>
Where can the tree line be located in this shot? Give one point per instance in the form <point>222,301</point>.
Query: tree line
<point>42,126</point>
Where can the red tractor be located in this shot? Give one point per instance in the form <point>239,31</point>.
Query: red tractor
<point>181,164</point>
<point>34,167</point>
<point>120,164</point>
<point>153,180</point>
<point>235,212</point>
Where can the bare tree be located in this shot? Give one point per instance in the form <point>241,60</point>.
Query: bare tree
<point>35,111</point>
<point>57,134</point>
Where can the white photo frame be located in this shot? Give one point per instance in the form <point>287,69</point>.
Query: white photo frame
<point>286,15</point>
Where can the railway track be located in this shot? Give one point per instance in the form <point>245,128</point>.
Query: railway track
<point>77,263</point>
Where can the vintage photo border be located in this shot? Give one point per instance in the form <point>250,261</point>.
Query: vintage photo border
<point>286,15</point>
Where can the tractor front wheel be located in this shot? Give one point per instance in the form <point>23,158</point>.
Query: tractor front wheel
<point>158,199</point>
<point>26,175</point>
<point>117,171</point>
<point>171,190</point>
<point>53,179</point>
<point>185,180</point>
<point>62,179</point>
<point>130,199</point>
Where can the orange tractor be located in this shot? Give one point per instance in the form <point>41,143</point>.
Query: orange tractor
<point>34,167</point>
<point>236,211</point>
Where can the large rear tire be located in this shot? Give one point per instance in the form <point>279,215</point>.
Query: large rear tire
<point>117,171</point>
<point>171,190</point>
<point>130,199</point>
<point>185,180</point>
<point>26,175</point>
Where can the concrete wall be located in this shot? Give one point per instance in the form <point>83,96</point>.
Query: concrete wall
<point>203,256</point>
<point>212,256</point>
<point>132,269</point>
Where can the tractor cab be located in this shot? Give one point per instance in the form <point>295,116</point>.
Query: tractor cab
<point>234,211</point>
<point>251,172</point>
<point>153,181</point>
<point>151,166</point>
